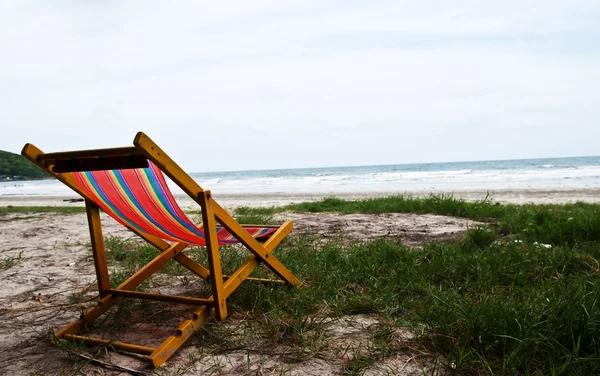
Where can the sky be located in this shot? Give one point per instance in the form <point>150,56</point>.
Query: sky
<point>239,85</point>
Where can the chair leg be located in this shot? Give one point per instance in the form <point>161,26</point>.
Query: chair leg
<point>169,346</point>
<point>214,257</point>
<point>98,250</point>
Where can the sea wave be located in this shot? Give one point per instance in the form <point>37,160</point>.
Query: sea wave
<point>371,179</point>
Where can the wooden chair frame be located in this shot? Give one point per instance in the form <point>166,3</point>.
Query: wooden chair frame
<point>212,213</point>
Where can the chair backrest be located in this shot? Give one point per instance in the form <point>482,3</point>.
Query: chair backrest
<point>140,198</point>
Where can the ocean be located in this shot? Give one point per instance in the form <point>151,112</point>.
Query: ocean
<point>546,173</point>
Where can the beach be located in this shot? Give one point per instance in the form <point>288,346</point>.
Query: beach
<point>48,275</point>
<point>52,261</point>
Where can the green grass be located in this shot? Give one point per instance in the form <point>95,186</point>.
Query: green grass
<point>5,210</point>
<point>254,219</point>
<point>553,224</point>
<point>486,304</point>
<point>500,307</point>
<point>515,308</point>
<point>9,261</point>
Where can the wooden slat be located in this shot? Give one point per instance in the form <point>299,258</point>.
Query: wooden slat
<point>260,280</point>
<point>242,273</point>
<point>192,265</point>
<point>98,250</point>
<point>203,273</point>
<point>212,251</point>
<point>161,298</point>
<point>49,158</point>
<point>152,267</point>
<point>185,330</point>
<point>254,246</point>
<point>167,165</point>
<point>136,349</point>
<point>116,162</point>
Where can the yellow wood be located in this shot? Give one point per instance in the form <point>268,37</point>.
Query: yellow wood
<point>167,165</point>
<point>181,258</point>
<point>98,250</point>
<point>161,298</point>
<point>254,246</point>
<point>32,153</point>
<point>203,273</point>
<point>151,267</point>
<point>192,265</point>
<point>74,327</point>
<point>185,330</point>
<point>161,159</point>
<point>117,345</point>
<point>262,280</point>
<point>212,251</point>
<point>151,239</point>
<point>242,273</point>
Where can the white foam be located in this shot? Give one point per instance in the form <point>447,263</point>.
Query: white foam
<point>373,181</point>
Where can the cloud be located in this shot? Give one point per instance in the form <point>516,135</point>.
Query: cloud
<point>294,84</point>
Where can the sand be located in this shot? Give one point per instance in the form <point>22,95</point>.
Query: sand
<point>52,259</point>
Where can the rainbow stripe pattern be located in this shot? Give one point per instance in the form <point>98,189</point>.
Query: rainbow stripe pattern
<point>140,199</point>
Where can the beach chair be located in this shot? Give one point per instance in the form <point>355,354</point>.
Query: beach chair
<point>128,184</point>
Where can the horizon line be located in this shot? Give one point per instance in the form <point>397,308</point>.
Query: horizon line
<point>394,164</point>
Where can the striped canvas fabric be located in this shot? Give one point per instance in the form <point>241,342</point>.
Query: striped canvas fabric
<point>140,199</point>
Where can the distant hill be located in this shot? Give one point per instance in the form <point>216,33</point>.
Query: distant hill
<point>17,167</point>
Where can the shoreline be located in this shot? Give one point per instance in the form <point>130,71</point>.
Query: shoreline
<point>514,196</point>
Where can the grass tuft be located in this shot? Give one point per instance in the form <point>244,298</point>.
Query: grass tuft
<point>8,261</point>
<point>5,210</point>
<point>479,237</point>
